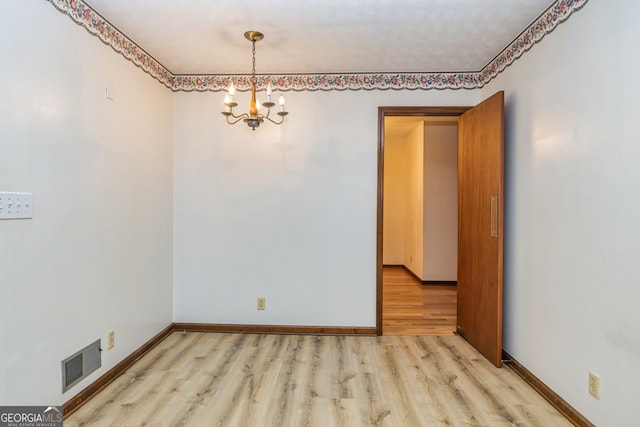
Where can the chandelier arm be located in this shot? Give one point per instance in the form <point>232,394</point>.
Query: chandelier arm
<point>238,118</point>
<point>232,114</point>
<point>274,122</point>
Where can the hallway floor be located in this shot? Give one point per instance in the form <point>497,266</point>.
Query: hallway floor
<point>411,308</point>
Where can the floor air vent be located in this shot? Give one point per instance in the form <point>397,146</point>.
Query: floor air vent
<point>81,364</point>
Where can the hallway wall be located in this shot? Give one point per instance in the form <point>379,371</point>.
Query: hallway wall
<point>440,242</point>
<point>395,200</point>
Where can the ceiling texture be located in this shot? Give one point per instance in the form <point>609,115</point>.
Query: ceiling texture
<point>198,44</point>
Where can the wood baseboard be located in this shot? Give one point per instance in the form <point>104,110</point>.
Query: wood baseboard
<point>412,274</point>
<point>545,391</point>
<point>427,282</point>
<point>73,404</point>
<point>275,329</point>
<point>440,282</point>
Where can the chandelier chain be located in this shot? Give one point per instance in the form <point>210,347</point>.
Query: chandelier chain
<point>253,69</point>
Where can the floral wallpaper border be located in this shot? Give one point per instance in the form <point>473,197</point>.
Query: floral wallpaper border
<point>94,23</point>
<point>556,14</point>
<point>82,14</point>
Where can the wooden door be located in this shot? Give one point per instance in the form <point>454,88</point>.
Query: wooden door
<point>480,226</point>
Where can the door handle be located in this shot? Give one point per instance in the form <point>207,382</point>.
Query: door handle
<point>494,216</point>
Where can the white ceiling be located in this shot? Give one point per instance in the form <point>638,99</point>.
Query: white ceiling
<point>322,36</point>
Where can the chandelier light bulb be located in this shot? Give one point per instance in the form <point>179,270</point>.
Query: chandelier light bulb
<point>227,103</point>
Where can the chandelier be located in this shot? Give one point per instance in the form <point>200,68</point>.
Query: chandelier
<point>254,117</point>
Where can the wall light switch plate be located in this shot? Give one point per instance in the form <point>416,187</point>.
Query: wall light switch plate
<point>109,90</point>
<point>111,339</point>
<point>16,205</point>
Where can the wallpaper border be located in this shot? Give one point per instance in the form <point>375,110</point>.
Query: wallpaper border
<point>548,21</point>
<point>82,14</point>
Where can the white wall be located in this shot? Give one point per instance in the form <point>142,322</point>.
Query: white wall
<point>97,253</point>
<point>288,213</point>
<point>395,200</point>
<point>440,202</point>
<point>572,198</point>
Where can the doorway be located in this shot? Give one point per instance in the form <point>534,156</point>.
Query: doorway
<point>384,112</point>
<point>420,225</point>
<point>480,219</point>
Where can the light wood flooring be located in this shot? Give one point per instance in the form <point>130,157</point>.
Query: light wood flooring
<point>246,380</point>
<point>411,308</point>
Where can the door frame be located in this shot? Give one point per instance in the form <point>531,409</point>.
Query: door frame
<point>389,112</point>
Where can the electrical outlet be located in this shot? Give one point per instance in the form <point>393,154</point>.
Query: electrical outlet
<point>594,385</point>
<point>111,339</point>
<point>261,303</point>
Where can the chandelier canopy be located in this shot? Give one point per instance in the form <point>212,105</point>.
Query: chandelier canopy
<point>254,117</point>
